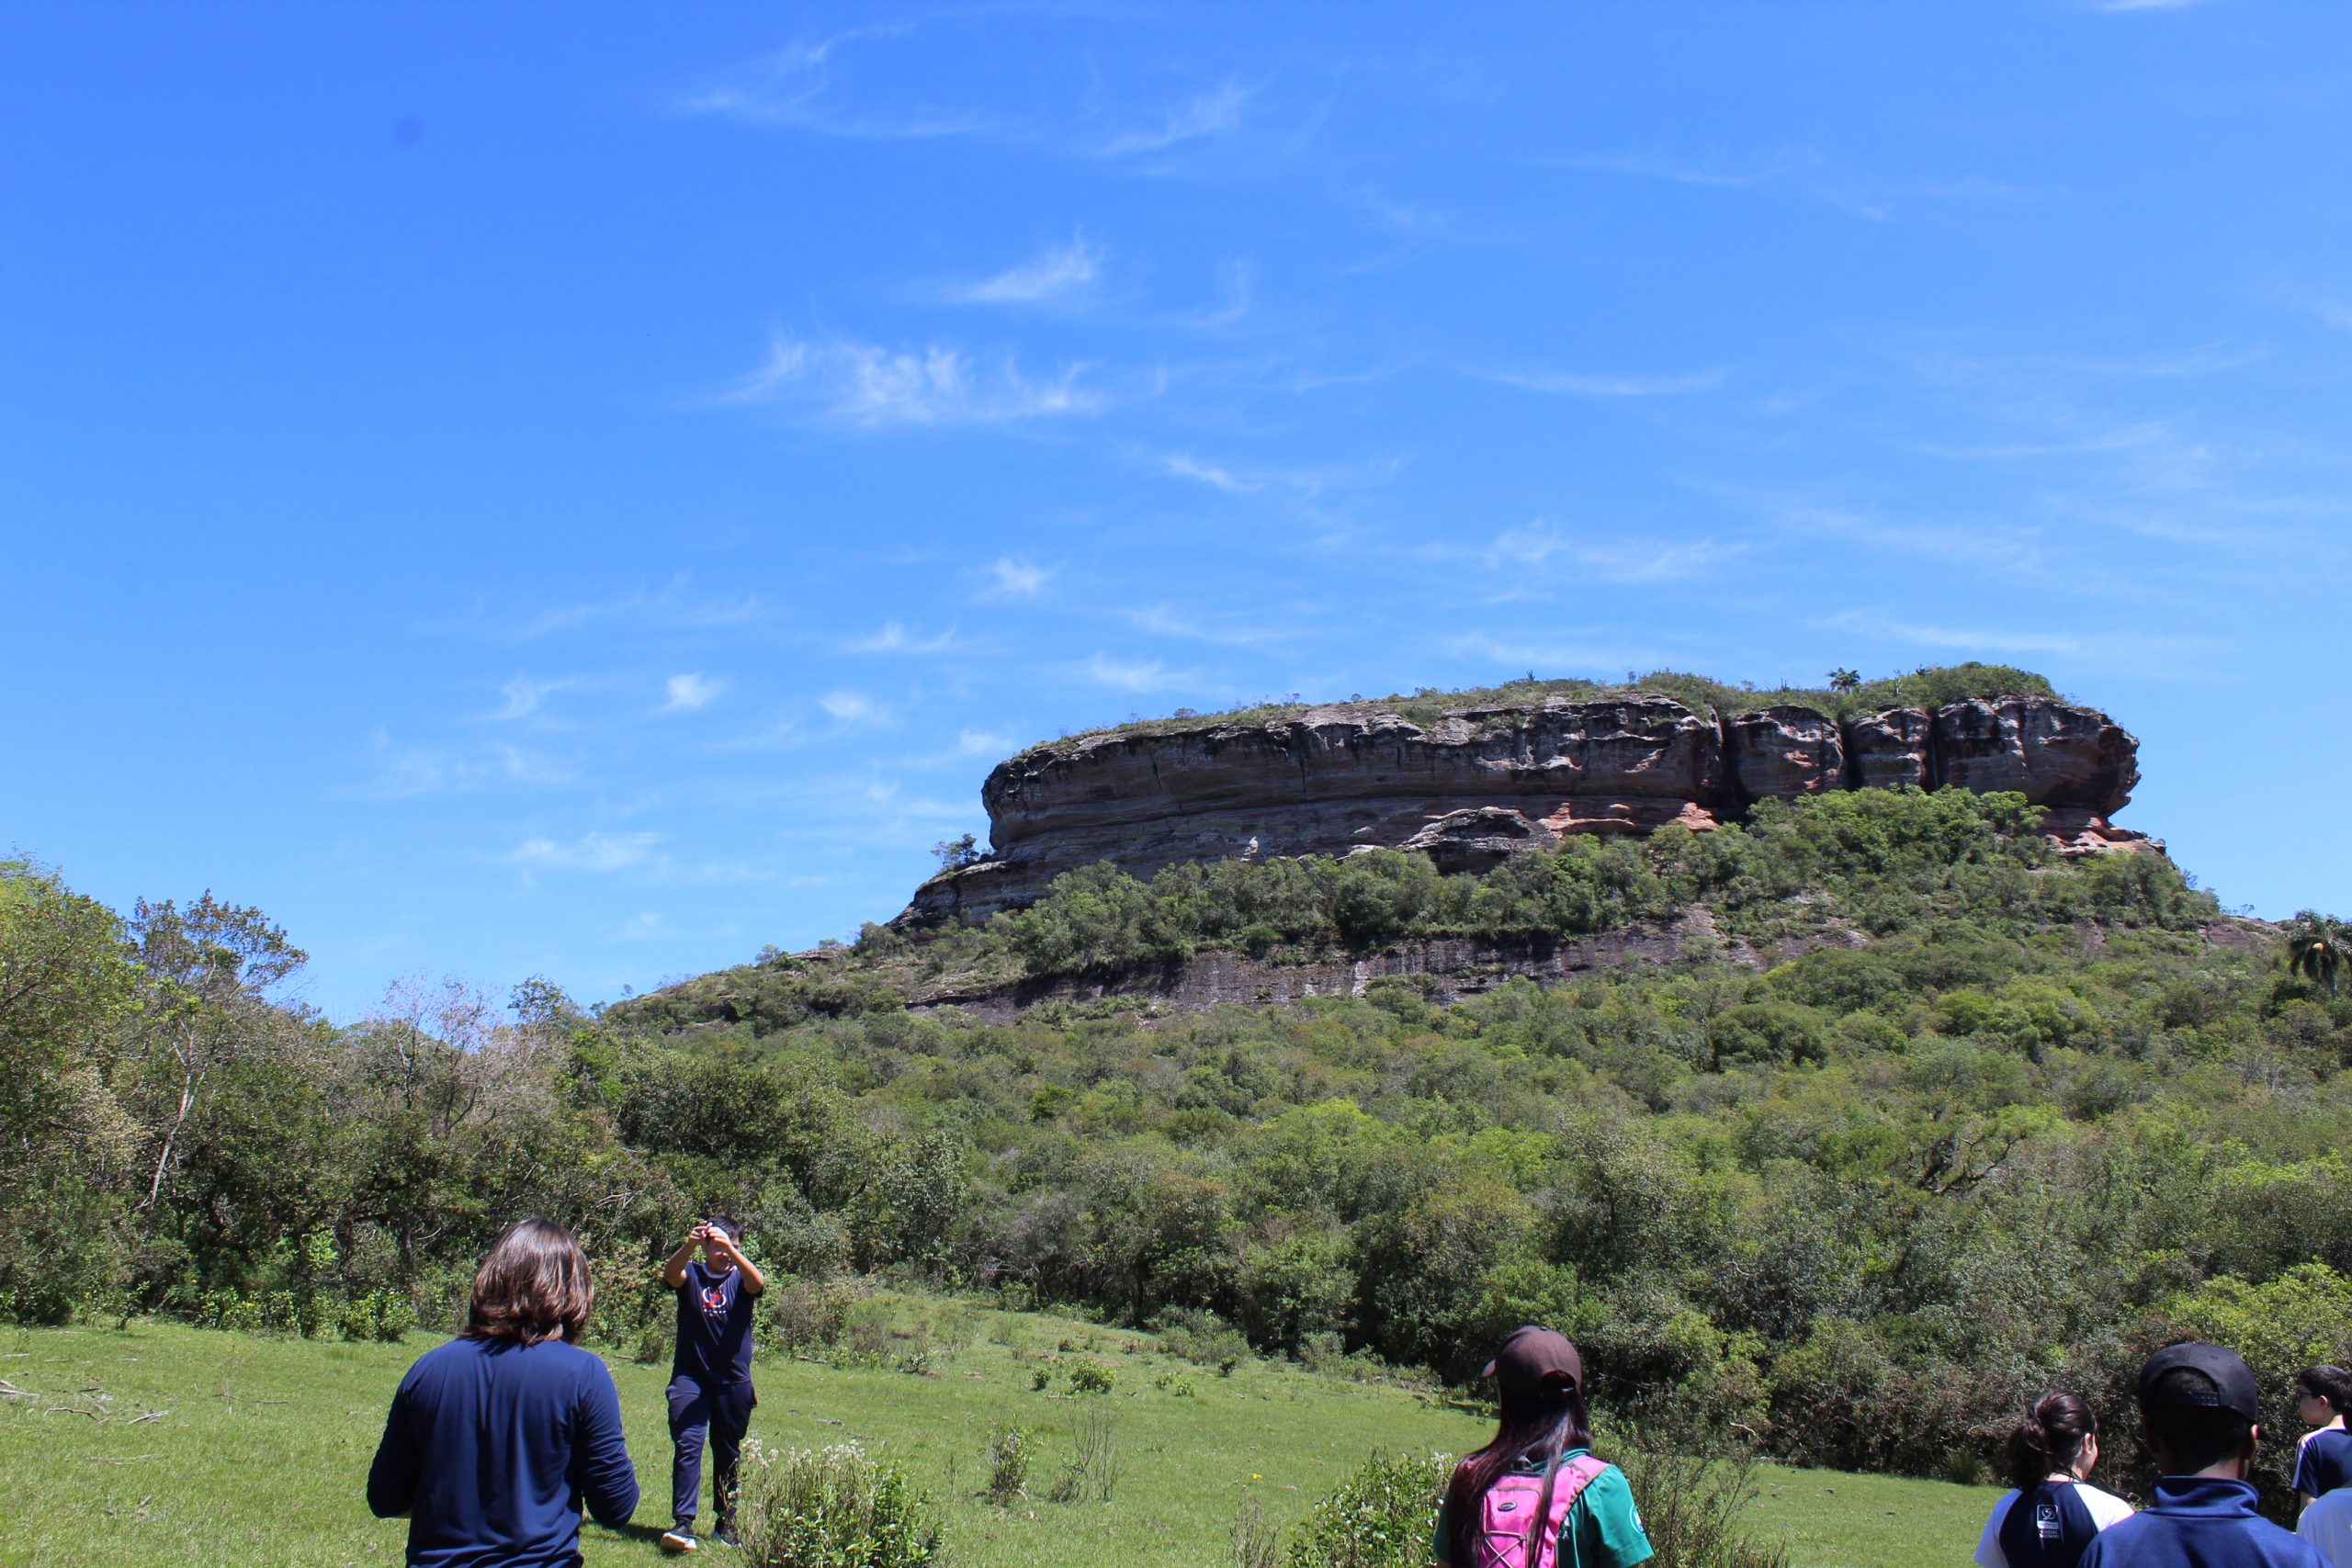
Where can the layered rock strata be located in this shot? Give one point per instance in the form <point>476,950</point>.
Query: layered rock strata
<point>1482,783</point>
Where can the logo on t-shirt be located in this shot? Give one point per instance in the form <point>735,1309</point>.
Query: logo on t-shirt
<point>714,1301</point>
<point>2045,1522</point>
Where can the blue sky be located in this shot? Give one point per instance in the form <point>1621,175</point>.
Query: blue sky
<point>589,492</point>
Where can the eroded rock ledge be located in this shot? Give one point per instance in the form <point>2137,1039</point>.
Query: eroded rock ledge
<point>1484,782</point>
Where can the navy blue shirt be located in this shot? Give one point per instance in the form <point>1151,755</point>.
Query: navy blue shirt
<point>490,1448</point>
<point>2198,1522</point>
<point>2047,1528</point>
<point>714,1327</point>
<point>2325,1462</point>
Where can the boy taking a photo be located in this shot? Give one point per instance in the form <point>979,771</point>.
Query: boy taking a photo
<point>710,1376</point>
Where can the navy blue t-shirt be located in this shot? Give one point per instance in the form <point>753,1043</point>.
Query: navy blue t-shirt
<point>2325,1464</point>
<point>714,1327</point>
<point>492,1447</point>
<point>2047,1528</point>
<point>2200,1523</point>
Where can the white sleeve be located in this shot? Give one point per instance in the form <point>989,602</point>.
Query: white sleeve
<point>1988,1550</point>
<point>2107,1509</point>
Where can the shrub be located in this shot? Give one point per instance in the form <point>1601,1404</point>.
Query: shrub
<point>1691,1508</point>
<point>1199,1336</point>
<point>832,1508</point>
<point>384,1315</point>
<point>1381,1517</point>
<point>1090,1377</point>
<point>807,1316</point>
<point>1094,1467</point>
<point>1008,1450</point>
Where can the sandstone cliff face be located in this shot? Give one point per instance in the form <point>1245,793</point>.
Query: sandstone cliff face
<point>1485,782</point>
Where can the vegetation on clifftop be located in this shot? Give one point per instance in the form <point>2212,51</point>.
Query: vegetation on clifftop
<point>1927,686</point>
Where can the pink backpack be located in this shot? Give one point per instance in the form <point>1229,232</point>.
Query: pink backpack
<point>1520,1515</point>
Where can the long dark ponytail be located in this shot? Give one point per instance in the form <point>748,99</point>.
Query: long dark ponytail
<point>1540,1427</point>
<point>2050,1439</point>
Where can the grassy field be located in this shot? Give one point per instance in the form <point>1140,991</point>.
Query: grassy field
<point>159,1444</point>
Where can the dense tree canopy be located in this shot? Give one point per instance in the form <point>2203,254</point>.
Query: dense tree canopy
<point>1976,1121</point>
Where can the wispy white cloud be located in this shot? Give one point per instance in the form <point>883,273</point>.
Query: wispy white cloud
<point>2146,5</point>
<point>1595,654</point>
<point>1011,578</point>
<point>1208,114</point>
<point>1586,384</point>
<point>523,696</point>
<point>869,386</point>
<point>1229,631</point>
<point>895,639</point>
<point>673,607</point>
<point>1305,481</point>
<point>2141,649</point>
<point>791,88</point>
<point>854,708</point>
<point>1547,555</point>
<point>692,693</point>
<point>1184,465</point>
<point>1802,172</point>
<point>1060,273</point>
<point>399,772</point>
<point>2336,313</point>
<point>589,852</point>
<point>984,742</point>
<point>1138,674</point>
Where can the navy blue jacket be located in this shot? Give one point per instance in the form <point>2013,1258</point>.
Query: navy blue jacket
<point>490,1448</point>
<point>2196,1522</point>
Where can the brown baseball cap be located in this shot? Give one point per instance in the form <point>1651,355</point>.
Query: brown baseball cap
<point>1536,1360</point>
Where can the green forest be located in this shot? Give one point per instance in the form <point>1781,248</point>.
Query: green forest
<point>1981,1121</point>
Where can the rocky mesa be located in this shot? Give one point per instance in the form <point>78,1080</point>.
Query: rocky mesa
<point>1483,781</point>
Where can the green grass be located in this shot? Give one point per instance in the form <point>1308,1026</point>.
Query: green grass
<point>256,1449</point>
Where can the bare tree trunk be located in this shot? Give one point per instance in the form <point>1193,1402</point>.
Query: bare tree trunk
<point>188,1081</point>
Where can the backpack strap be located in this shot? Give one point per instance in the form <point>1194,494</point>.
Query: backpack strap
<point>1581,1475</point>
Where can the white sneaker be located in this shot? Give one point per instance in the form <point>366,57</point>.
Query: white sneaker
<point>679,1538</point>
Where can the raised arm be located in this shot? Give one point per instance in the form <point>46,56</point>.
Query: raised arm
<point>393,1479</point>
<point>673,1269</point>
<point>600,1462</point>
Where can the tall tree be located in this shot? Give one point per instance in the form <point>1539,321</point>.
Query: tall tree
<point>209,969</point>
<point>2319,947</point>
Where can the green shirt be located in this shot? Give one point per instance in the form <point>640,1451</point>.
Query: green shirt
<point>1603,1529</point>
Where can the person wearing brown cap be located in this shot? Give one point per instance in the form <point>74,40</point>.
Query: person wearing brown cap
<point>1536,1496</point>
<point>2200,1414</point>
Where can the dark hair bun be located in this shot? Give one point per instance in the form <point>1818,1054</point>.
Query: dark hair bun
<point>2049,1439</point>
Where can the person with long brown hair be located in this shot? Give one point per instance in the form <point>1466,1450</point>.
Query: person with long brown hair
<point>497,1438</point>
<point>2052,1513</point>
<point>1536,1496</point>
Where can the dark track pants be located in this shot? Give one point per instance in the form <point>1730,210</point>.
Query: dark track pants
<point>718,1413</point>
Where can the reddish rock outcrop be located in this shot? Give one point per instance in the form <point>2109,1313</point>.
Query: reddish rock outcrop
<point>1482,783</point>
<point>1890,750</point>
<point>1785,751</point>
<point>2054,753</point>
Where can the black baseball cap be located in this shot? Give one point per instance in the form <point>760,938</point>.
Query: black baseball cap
<point>1536,1360</point>
<point>2235,1389</point>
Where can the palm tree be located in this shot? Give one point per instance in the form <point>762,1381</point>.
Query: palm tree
<point>2319,947</point>
<point>1844,680</point>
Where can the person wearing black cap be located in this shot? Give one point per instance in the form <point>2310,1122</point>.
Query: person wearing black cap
<point>1535,1497</point>
<point>2200,1414</point>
